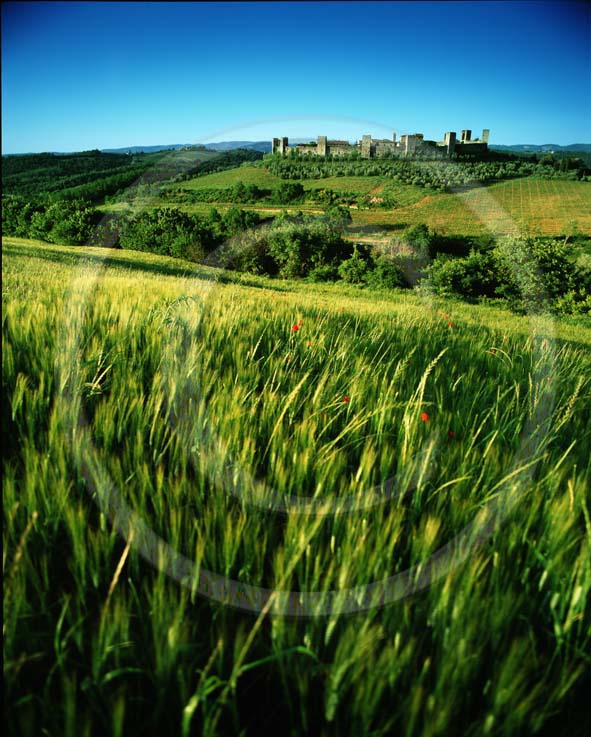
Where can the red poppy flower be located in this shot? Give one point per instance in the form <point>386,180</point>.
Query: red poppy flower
<point>346,399</point>
<point>295,328</point>
<point>450,323</point>
<point>309,344</point>
<point>425,417</point>
<point>450,433</point>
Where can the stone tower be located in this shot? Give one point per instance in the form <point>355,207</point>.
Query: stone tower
<point>322,147</point>
<point>279,145</point>
<point>366,147</point>
<point>485,134</point>
<point>450,142</point>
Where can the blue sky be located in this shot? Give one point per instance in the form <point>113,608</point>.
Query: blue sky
<point>87,75</point>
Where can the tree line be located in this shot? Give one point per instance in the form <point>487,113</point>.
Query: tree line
<point>528,272</point>
<point>438,175</point>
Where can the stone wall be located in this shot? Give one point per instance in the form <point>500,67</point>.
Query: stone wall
<point>340,149</point>
<point>409,145</point>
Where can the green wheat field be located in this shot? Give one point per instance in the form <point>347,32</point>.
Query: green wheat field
<point>200,398</point>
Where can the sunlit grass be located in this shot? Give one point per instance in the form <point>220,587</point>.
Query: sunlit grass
<point>539,207</point>
<point>180,376</point>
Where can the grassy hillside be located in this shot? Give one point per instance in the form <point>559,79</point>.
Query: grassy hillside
<point>544,207</point>
<point>541,207</point>
<point>246,174</point>
<point>219,410</point>
<point>91,174</point>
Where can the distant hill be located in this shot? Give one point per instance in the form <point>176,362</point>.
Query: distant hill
<point>264,146</point>
<point>145,149</point>
<point>535,148</point>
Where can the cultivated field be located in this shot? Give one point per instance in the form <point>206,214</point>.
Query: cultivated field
<point>528,205</point>
<point>254,425</point>
<point>533,206</point>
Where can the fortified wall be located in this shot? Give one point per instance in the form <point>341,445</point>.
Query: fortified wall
<point>407,145</point>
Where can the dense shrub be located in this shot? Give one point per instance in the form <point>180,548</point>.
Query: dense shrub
<point>288,192</point>
<point>325,272</point>
<point>419,237</point>
<point>247,193</point>
<point>386,274</point>
<point>458,245</point>
<point>69,222</point>
<point>17,214</point>
<point>236,220</point>
<point>574,302</point>
<point>534,271</point>
<point>533,274</point>
<point>168,232</point>
<point>171,232</point>
<point>299,247</point>
<point>355,270</point>
<point>249,252</point>
<point>475,275</point>
<point>291,247</point>
<point>338,216</point>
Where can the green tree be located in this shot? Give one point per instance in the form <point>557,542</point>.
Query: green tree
<point>289,192</point>
<point>354,270</point>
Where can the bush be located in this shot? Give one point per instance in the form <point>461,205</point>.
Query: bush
<point>354,270</point>
<point>16,216</point>
<point>299,247</point>
<point>71,222</point>
<point>534,271</point>
<point>573,303</point>
<point>457,245</point>
<point>531,273</point>
<point>249,252</point>
<point>324,272</point>
<point>246,193</point>
<point>476,275</point>
<point>236,220</point>
<point>386,274</point>
<point>419,236</point>
<point>289,192</point>
<point>168,232</point>
<point>338,216</point>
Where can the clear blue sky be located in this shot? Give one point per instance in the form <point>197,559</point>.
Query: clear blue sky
<point>87,75</point>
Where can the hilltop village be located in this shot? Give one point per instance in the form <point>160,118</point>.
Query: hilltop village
<point>407,145</point>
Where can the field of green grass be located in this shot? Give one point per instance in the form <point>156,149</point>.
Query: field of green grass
<point>262,178</point>
<point>254,426</point>
<point>246,174</point>
<point>541,207</point>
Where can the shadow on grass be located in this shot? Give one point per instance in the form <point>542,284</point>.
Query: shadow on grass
<point>372,228</point>
<point>196,271</point>
<point>117,259</point>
